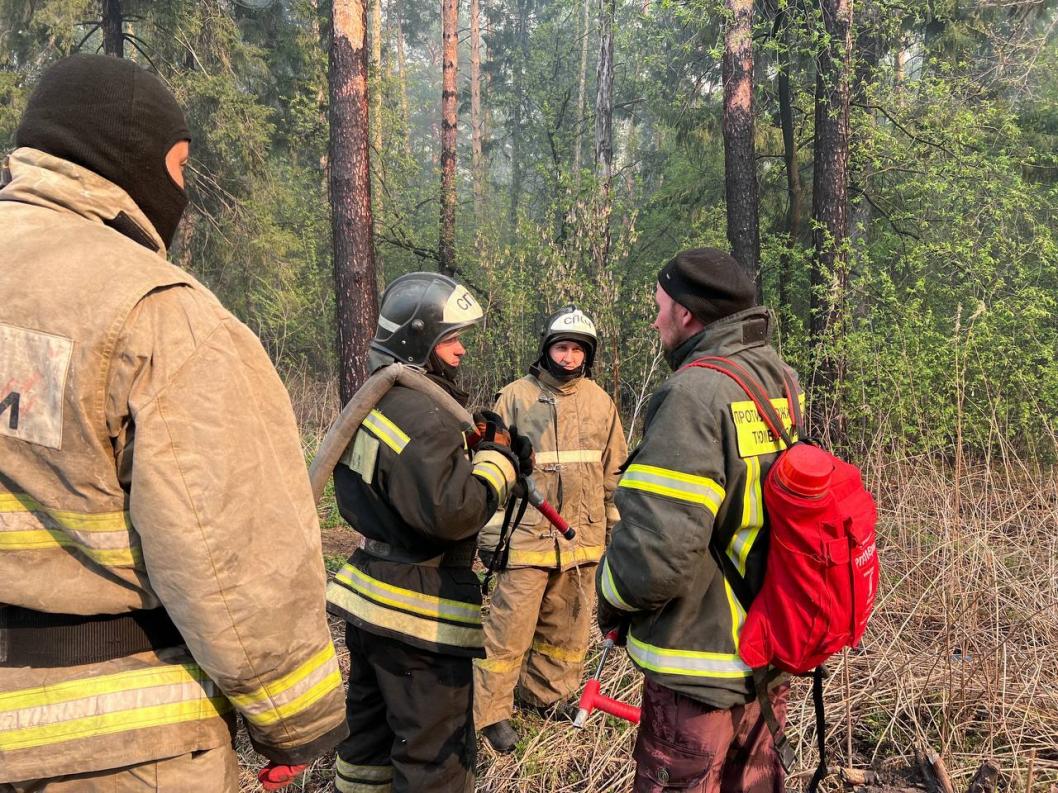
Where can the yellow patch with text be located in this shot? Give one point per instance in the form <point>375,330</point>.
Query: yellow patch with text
<point>754,437</point>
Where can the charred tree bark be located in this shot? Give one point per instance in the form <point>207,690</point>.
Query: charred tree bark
<point>449,122</point>
<point>830,195</point>
<point>113,25</point>
<point>794,190</point>
<point>350,182</point>
<point>476,163</point>
<point>740,167</point>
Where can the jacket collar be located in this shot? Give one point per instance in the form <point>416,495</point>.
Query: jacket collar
<point>552,383</point>
<point>35,177</point>
<point>727,336</point>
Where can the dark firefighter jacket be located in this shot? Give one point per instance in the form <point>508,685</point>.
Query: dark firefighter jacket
<point>409,486</point>
<point>690,492</point>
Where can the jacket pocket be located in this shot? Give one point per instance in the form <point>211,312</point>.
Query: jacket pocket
<point>665,767</point>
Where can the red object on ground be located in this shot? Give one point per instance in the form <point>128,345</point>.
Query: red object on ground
<point>274,777</point>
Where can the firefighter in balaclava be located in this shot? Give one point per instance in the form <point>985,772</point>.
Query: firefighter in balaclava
<point>159,547</point>
<point>411,486</point>
<point>537,629</point>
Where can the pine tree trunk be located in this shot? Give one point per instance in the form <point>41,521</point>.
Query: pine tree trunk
<point>402,67</point>
<point>581,89</point>
<point>604,163</point>
<point>521,34</point>
<point>740,167</point>
<point>830,200</point>
<point>375,97</point>
<point>113,29</point>
<point>794,190</point>
<point>477,165</point>
<point>449,121</point>
<point>350,181</point>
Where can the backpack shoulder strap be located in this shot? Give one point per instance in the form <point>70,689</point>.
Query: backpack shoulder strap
<point>753,389</point>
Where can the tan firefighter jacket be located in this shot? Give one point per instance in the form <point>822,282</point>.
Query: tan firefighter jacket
<point>579,445</point>
<point>148,456</point>
<point>690,492</point>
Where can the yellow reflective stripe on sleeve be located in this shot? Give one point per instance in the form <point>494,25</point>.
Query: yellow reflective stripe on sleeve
<point>569,456</point>
<point>609,589</point>
<point>294,692</point>
<point>106,538</point>
<point>408,599</point>
<point>491,474</point>
<point>499,666</point>
<point>107,704</point>
<point>752,517</point>
<point>563,654</point>
<point>427,630</point>
<point>386,431</point>
<point>690,663</point>
<point>674,484</point>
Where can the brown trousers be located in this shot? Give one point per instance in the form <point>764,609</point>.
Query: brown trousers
<point>686,745</point>
<point>208,771</point>
<point>536,637</point>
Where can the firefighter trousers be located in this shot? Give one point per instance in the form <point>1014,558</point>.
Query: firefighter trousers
<point>686,744</point>
<point>409,713</point>
<point>208,771</point>
<point>536,637</point>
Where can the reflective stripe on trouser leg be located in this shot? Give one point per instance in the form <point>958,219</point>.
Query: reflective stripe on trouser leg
<point>349,778</point>
<point>509,629</point>
<point>556,660</point>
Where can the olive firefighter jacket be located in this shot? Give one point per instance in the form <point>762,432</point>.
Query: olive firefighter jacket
<point>690,492</point>
<point>408,484</point>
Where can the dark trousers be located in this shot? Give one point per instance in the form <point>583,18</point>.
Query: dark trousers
<point>410,719</point>
<point>687,745</point>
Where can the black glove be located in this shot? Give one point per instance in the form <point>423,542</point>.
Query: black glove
<point>523,450</point>
<point>611,619</point>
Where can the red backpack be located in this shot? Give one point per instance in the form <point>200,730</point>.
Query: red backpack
<point>821,575</point>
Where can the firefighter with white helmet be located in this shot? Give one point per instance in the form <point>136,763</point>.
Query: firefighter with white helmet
<point>408,483</point>
<point>537,629</point>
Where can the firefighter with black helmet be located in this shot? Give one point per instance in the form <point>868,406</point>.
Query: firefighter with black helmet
<point>537,629</point>
<point>411,486</point>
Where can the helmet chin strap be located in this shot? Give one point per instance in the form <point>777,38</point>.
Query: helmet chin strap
<point>558,371</point>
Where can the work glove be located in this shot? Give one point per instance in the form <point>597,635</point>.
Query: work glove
<point>611,619</point>
<point>523,450</point>
<point>490,427</point>
<point>275,777</point>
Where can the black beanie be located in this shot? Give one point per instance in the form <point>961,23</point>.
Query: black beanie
<point>709,283</point>
<point>116,119</point>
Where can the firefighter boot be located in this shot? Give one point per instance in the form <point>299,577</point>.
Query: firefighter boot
<point>501,736</point>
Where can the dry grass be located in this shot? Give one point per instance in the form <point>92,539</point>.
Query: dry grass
<point>960,655</point>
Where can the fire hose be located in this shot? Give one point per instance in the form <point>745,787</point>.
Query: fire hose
<point>592,700</point>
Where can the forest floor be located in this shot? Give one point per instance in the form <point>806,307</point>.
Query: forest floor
<point>959,658</point>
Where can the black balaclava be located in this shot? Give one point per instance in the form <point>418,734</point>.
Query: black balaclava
<point>116,119</point>
<point>446,376</point>
<point>557,371</point>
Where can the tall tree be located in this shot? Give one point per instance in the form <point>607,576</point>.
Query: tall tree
<point>449,127</point>
<point>477,163</point>
<point>350,181</point>
<point>518,77</point>
<point>113,28</point>
<point>830,176</point>
<point>375,98</point>
<point>794,190</point>
<point>604,124</point>
<point>740,167</point>
<point>582,79</point>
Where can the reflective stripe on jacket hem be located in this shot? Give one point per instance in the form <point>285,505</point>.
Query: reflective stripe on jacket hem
<point>688,663</point>
<point>294,692</point>
<point>674,484</point>
<point>408,599</point>
<point>556,558</point>
<point>568,456</point>
<point>108,704</point>
<point>400,622</point>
